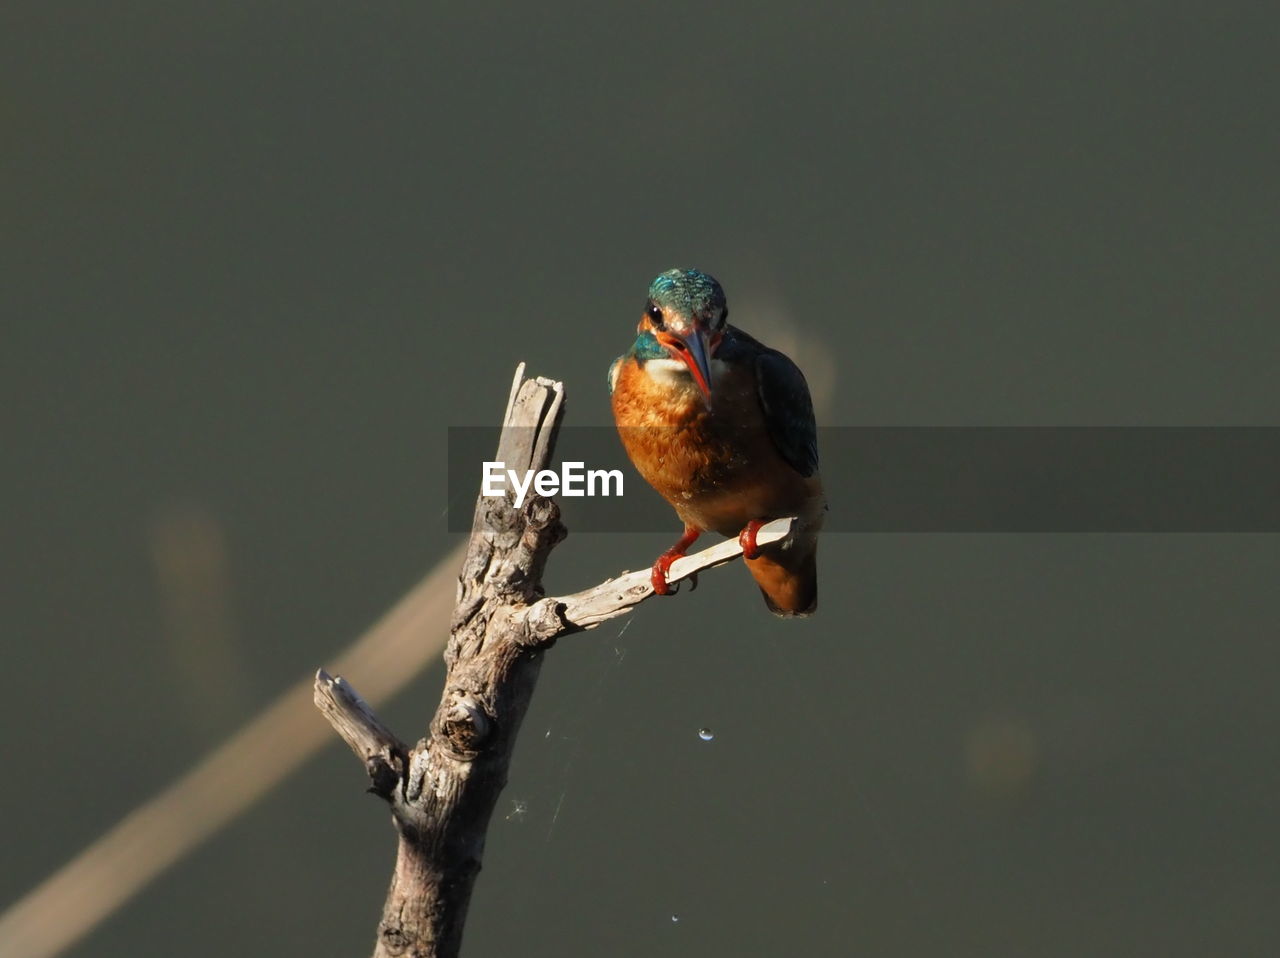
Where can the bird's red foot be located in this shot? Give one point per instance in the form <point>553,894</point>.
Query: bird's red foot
<point>747,538</point>
<point>659,575</point>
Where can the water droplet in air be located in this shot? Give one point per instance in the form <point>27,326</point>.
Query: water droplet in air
<point>706,734</point>
<point>675,918</point>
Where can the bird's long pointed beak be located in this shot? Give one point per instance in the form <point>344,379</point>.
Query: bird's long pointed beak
<point>695,351</point>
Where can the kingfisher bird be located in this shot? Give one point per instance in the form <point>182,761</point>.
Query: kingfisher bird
<point>722,427</point>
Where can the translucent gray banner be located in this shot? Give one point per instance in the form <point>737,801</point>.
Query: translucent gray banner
<point>952,479</point>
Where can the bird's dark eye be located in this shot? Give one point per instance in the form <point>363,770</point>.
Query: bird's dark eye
<point>655,315</point>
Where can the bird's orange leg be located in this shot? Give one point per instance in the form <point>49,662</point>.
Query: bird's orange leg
<point>747,538</point>
<point>659,575</point>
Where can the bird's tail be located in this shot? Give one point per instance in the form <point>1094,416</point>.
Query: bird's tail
<point>788,578</point>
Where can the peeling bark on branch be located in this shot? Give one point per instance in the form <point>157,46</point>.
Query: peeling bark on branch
<point>443,791</point>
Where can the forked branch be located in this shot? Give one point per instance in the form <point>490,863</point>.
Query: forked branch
<point>442,792</point>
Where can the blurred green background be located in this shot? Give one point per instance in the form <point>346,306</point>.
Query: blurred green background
<point>256,258</point>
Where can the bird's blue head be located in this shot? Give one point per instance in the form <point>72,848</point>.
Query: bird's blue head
<point>685,313</point>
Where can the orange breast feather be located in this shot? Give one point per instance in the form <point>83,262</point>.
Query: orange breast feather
<point>717,466</point>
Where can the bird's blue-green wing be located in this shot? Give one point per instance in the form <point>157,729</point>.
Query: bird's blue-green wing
<point>788,410</point>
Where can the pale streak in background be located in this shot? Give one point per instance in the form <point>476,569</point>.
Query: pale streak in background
<point>67,905</point>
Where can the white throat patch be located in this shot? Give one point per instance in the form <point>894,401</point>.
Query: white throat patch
<point>673,373</point>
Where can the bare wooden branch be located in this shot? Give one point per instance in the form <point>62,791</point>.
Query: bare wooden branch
<point>442,792</point>
<point>554,617</point>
